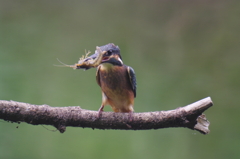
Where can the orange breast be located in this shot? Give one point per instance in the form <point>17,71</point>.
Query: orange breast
<point>115,84</point>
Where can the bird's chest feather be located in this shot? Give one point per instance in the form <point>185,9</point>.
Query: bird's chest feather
<point>114,80</point>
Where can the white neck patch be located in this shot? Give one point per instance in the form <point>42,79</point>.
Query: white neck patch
<point>120,60</point>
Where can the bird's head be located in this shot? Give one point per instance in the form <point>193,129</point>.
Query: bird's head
<point>111,55</point>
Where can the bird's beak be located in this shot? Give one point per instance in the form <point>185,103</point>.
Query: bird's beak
<point>106,58</point>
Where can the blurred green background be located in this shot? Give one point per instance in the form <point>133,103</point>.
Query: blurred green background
<point>181,51</point>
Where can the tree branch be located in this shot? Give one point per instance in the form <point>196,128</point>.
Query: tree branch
<point>189,116</point>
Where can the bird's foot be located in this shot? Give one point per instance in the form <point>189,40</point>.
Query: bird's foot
<point>100,110</point>
<point>130,118</point>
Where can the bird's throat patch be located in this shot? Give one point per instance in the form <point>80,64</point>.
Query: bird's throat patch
<point>106,67</point>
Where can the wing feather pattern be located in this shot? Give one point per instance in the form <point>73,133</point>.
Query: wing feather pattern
<point>132,78</point>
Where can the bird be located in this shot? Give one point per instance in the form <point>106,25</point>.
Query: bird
<point>117,81</point>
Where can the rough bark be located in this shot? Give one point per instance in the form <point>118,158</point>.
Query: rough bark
<point>190,116</point>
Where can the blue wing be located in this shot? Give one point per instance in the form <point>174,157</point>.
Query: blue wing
<point>132,78</point>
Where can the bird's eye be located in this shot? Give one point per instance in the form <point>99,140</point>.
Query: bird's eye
<point>109,52</point>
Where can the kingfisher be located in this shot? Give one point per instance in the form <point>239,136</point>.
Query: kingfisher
<point>117,81</point>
